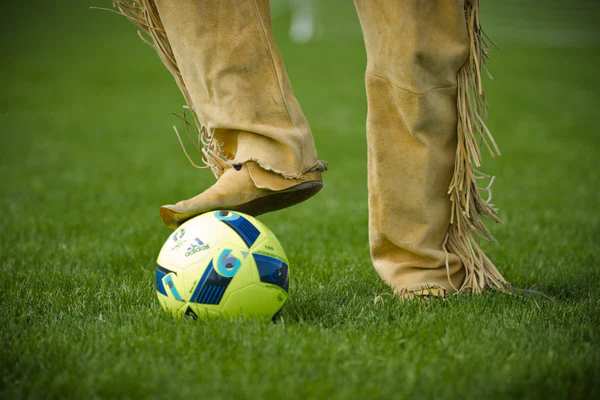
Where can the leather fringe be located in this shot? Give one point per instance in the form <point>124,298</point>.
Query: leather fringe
<point>468,206</point>
<point>144,14</point>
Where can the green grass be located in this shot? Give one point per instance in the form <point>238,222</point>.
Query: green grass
<point>87,156</point>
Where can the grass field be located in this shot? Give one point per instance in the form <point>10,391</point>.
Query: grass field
<point>87,155</point>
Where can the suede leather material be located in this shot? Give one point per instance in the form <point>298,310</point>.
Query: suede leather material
<point>415,48</point>
<point>264,179</point>
<point>237,83</point>
<point>237,189</point>
<point>414,51</point>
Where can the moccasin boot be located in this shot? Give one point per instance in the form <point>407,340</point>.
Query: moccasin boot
<point>247,188</point>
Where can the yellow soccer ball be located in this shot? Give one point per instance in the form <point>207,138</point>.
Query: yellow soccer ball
<point>222,263</point>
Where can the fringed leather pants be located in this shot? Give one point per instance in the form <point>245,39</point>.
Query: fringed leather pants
<point>424,122</point>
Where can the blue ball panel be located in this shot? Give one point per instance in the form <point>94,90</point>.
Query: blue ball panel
<point>244,228</point>
<point>272,270</point>
<point>211,287</point>
<point>160,273</point>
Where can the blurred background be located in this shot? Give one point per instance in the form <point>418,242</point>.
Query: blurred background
<point>87,155</point>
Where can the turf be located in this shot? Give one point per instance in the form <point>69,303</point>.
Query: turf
<point>87,156</point>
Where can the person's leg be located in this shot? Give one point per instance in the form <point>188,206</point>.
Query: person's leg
<point>222,55</point>
<point>424,208</point>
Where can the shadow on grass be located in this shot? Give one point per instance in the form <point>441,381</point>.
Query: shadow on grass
<point>375,304</point>
<point>570,287</point>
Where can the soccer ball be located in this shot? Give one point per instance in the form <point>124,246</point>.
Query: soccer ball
<point>222,263</point>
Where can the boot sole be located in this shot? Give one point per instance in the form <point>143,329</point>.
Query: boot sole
<point>262,205</point>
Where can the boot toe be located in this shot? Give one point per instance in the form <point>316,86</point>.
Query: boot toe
<point>169,216</point>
